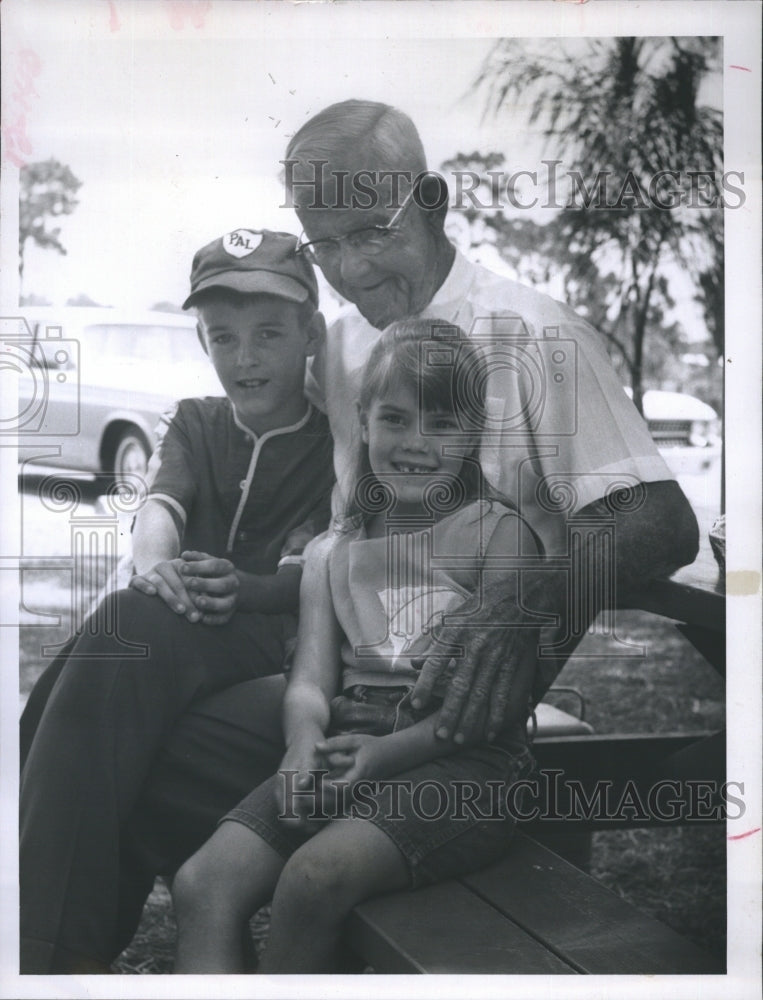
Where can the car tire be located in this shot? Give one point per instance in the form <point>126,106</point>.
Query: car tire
<point>131,454</point>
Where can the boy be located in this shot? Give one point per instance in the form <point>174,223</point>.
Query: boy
<point>236,488</point>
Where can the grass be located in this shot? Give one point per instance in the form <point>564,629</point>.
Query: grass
<point>676,875</point>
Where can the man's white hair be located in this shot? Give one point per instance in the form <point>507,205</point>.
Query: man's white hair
<point>368,134</point>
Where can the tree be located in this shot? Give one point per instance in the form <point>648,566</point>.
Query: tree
<point>619,112</point>
<point>166,307</point>
<point>83,300</point>
<point>46,190</point>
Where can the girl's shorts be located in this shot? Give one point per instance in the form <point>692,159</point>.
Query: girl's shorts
<point>448,816</point>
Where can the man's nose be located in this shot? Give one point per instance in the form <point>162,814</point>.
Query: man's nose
<point>352,264</point>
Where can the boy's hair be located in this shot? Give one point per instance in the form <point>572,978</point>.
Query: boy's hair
<point>448,374</point>
<point>226,296</point>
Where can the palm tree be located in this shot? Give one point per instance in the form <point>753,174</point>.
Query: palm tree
<point>641,152</point>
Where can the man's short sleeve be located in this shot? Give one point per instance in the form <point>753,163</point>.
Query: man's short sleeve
<point>561,431</point>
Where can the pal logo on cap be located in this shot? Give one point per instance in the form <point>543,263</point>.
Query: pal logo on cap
<point>241,242</point>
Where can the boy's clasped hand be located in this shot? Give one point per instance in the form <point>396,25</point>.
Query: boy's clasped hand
<point>202,587</point>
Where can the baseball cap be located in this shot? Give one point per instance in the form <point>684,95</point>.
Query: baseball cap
<point>252,261</point>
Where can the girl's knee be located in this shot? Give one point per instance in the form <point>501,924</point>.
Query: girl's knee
<point>206,881</point>
<point>191,885</point>
<point>313,881</point>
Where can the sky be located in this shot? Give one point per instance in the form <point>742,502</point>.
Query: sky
<point>176,132</point>
<point>174,115</point>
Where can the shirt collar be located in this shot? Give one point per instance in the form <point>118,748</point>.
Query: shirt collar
<point>276,430</point>
<point>449,297</point>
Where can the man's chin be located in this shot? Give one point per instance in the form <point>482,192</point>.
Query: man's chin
<point>380,316</point>
<point>384,306</point>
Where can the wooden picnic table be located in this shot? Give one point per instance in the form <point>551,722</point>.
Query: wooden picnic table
<point>533,912</point>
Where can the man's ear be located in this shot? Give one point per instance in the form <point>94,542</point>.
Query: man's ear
<point>315,332</point>
<point>200,335</point>
<point>363,418</point>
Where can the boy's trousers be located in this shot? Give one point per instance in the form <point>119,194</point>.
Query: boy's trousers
<point>105,717</point>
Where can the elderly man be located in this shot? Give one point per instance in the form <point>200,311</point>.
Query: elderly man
<point>564,442</point>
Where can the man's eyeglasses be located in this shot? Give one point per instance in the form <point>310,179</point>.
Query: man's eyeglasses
<point>368,242</point>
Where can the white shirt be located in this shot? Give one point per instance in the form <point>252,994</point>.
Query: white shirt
<point>561,430</point>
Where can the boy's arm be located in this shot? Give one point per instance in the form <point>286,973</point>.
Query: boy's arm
<point>223,589</point>
<point>273,594</point>
<point>155,536</point>
<point>219,589</point>
<point>158,568</point>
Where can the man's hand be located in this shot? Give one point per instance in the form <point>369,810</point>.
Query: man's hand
<point>491,679</point>
<point>213,584</point>
<point>167,580</point>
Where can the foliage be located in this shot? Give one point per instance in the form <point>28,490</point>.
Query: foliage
<point>83,299</point>
<point>617,112</point>
<point>34,300</point>
<point>167,307</point>
<point>46,190</point>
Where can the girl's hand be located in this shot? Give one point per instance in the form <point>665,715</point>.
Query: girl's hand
<point>214,585</point>
<point>350,757</point>
<point>298,794</point>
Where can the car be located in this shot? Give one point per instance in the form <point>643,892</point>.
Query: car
<point>686,431</point>
<point>92,384</point>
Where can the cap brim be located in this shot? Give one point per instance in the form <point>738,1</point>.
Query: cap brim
<point>253,283</point>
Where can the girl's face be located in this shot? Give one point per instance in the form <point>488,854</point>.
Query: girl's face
<point>409,447</point>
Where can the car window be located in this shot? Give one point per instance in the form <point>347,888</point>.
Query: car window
<point>158,345</point>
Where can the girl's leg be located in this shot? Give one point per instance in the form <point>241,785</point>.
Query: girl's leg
<point>216,892</point>
<point>345,863</point>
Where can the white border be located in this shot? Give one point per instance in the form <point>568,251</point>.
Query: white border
<point>739,24</point>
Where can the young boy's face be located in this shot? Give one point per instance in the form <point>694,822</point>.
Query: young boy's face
<point>259,348</point>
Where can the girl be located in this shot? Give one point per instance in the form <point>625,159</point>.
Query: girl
<point>368,799</point>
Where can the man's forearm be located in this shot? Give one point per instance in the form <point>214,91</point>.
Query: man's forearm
<point>632,547</point>
<point>624,541</point>
<point>654,539</point>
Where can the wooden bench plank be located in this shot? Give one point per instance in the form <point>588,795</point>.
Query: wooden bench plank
<point>613,755</point>
<point>580,920</point>
<point>444,928</point>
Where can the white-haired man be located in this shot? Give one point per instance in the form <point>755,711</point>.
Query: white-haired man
<point>563,439</point>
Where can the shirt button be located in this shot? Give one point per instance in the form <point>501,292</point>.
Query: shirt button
<point>242,484</point>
